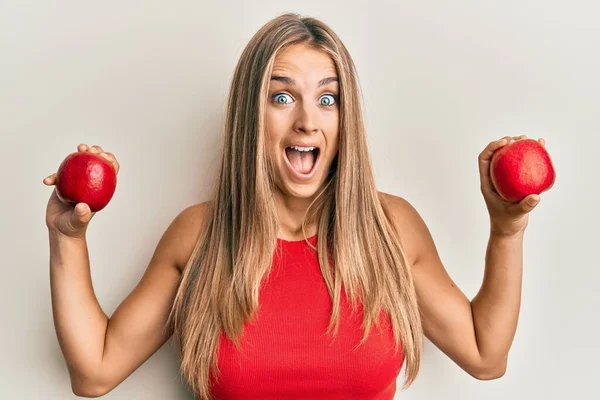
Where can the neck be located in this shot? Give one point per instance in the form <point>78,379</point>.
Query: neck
<point>291,212</point>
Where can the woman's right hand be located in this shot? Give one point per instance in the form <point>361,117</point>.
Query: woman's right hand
<point>64,219</point>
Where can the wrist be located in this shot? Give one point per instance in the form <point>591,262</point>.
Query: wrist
<point>58,237</point>
<point>507,234</point>
<point>64,249</point>
<point>509,228</point>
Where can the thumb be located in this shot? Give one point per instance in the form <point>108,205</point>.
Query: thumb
<point>529,203</point>
<point>81,216</point>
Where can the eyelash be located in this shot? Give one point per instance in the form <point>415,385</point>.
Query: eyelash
<point>327,94</point>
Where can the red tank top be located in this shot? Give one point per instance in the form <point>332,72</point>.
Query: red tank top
<point>286,351</point>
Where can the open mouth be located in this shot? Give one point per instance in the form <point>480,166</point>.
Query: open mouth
<point>302,160</point>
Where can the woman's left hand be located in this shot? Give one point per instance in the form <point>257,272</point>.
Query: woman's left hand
<point>506,218</point>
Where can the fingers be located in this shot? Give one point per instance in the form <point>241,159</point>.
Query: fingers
<point>113,160</point>
<point>541,141</point>
<point>489,150</point>
<point>484,161</point>
<point>50,180</point>
<point>95,149</point>
<point>486,154</point>
<point>91,149</point>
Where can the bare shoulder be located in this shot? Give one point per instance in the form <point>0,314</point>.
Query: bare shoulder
<point>413,231</point>
<point>404,214</point>
<point>399,206</point>
<point>183,232</point>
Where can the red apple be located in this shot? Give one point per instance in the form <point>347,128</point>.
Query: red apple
<point>521,168</point>
<point>86,178</point>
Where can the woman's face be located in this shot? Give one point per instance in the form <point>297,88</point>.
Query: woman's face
<point>302,110</point>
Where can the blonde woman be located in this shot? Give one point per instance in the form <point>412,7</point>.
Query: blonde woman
<point>298,279</point>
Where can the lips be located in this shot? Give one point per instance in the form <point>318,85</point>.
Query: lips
<point>298,175</point>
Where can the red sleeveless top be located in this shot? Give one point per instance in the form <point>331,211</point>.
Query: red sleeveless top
<point>286,351</point>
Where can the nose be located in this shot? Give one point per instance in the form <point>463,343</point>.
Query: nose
<point>306,120</point>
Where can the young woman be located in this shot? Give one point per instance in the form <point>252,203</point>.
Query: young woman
<point>298,279</point>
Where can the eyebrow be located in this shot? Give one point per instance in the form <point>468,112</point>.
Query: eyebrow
<point>290,81</point>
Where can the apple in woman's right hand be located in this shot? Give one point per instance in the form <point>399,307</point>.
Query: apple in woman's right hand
<point>84,184</point>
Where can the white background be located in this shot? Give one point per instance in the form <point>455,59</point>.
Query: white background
<point>148,81</point>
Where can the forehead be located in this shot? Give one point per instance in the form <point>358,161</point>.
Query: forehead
<point>304,61</point>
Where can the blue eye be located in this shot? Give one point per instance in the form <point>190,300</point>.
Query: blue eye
<point>278,98</point>
<point>330,100</point>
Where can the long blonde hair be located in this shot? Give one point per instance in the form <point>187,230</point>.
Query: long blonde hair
<point>220,284</point>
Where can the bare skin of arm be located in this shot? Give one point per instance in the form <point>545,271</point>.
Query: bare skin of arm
<point>101,352</point>
<point>476,334</point>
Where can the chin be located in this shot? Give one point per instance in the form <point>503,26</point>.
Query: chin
<point>299,191</point>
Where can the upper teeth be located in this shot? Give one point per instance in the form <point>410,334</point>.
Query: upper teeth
<point>303,148</point>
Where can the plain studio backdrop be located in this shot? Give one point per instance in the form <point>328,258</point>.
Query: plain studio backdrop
<point>148,81</point>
